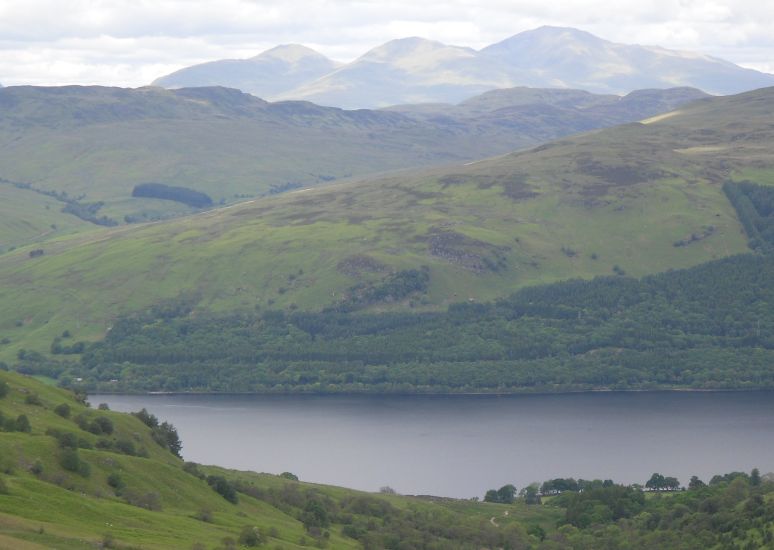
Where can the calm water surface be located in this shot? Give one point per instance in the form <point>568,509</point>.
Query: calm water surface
<point>460,446</point>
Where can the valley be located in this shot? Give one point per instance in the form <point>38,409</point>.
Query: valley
<point>514,295</point>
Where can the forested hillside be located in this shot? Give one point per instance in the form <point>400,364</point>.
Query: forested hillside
<point>636,199</point>
<point>707,327</point>
<point>711,326</point>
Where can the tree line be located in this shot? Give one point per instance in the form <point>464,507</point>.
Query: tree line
<point>706,327</point>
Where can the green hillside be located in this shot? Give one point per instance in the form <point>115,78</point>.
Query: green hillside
<point>28,217</point>
<point>125,490</point>
<point>72,477</point>
<point>661,332</point>
<point>635,199</point>
<point>95,144</point>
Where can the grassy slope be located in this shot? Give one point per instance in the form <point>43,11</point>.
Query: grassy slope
<point>28,217</point>
<point>618,197</point>
<point>64,510</point>
<point>100,142</point>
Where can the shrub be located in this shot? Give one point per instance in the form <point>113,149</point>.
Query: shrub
<point>83,421</point>
<point>146,418</point>
<point>104,424</point>
<point>4,388</point>
<point>23,424</point>
<point>37,468</point>
<point>250,537</point>
<point>315,515</point>
<point>3,487</point>
<point>205,515</point>
<point>70,460</point>
<point>116,482</point>
<point>166,436</point>
<point>68,440</point>
<point>223,487</point>
<point>149,501</point>
<point>33,399</point>
<point>125,446</point>
<point>103,407</point>
<point>290,476</point>
<point>193,469</point>
<point>63,410</point>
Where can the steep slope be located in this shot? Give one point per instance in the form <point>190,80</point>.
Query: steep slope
<point>638,198</point>
<point>85,478</point>
<point>265,75</point>
<point>139,495</point>
<point>92,145</point>
<point>413,70</point>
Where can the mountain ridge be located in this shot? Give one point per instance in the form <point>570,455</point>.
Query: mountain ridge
<point>418,70</point>
<point>273,70</point>
<point>63,143</point>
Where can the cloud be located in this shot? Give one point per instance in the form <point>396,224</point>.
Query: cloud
<point>130,42</point>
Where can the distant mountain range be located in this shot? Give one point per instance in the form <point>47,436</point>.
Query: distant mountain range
<point>415,70</point>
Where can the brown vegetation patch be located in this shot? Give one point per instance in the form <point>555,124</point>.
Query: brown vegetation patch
<point>619,174</point>
<point>453,179</point>
<point>419,195</point>
<point>461,250</point>
<point>357,264</point>
<point>302,218</point>
<point>516,188</point>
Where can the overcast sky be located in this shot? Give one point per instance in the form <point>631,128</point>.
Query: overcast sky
<point>131,42</point>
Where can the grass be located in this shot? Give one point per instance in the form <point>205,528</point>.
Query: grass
<point>97,143</point>
<point>27,217</point>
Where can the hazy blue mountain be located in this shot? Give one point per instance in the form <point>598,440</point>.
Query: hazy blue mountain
<point>416,70</point>
<point>570,58</point>
<point>408,70</point>
<point>265,75</point>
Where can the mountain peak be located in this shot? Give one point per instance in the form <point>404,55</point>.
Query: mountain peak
<point>290,53</point>
<point>412,46</point>
<point>547,38</point>
<point>564,32</point>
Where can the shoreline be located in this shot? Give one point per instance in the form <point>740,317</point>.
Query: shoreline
<point>432,394</point>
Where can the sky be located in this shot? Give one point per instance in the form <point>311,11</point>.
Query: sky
<point>132,42</point>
